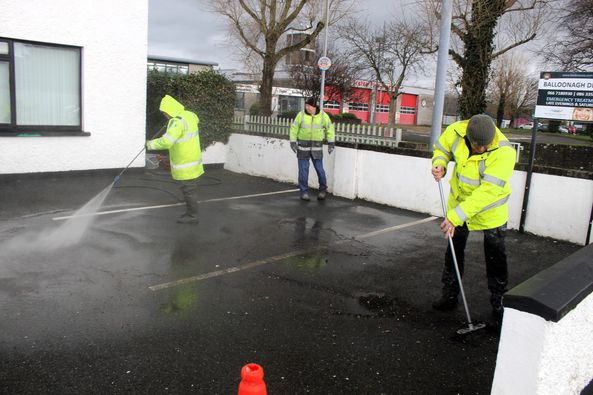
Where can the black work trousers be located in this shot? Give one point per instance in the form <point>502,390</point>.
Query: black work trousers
<point>189,189</point>
<point>496,262</point>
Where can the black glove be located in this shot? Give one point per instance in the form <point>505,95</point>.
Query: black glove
<point>330,147</point>
<point>293,146</point>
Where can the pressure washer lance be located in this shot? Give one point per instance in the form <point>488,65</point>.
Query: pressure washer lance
<point>470,326</point>
<point>117,177</point>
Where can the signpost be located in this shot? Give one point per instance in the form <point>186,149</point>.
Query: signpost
<point>560,96</point>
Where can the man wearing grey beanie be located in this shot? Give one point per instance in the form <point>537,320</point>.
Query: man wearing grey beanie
<point>484,162</point>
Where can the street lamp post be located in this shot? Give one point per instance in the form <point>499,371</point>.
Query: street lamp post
<point>322,89</point>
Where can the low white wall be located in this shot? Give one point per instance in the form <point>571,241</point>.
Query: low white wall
<point>559,207</point>
<point>113,38</point>
<point>541,357</point>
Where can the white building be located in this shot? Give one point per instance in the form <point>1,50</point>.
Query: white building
<point>72,84</point>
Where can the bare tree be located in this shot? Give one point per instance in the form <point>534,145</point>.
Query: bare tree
<point>512,90</point>
<point>389,53</point>
<point>482,31</point>
<point>259,25</point>
<point>339,78</point>
<point>572,46</point>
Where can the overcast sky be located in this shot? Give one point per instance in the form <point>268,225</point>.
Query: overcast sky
<point>184,29</point>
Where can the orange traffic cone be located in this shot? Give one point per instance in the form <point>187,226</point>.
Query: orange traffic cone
<point>252,380</point>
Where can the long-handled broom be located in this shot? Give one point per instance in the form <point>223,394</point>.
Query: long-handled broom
<point>471,327</point>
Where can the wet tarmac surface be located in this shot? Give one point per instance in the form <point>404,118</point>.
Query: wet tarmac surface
<point>329,297</point>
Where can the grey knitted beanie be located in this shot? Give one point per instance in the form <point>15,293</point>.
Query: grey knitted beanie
<point>481,130</point>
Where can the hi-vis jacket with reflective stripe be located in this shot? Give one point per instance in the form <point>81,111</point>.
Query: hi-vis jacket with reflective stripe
<point>480,183</point>
<point>182,140</point>
<point>309,131</point>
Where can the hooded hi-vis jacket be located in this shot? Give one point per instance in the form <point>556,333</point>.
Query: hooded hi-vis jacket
<point>309,131</point>
<point>182,139</point>
<point>480,183</point>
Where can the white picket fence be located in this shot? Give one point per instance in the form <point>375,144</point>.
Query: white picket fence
<point>350,133</point>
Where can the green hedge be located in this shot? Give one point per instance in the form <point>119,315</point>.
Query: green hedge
<point>209,94</point>
<point>345,118</point>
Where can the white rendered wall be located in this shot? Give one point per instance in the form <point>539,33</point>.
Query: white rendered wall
<point>113,37</point>
<point>214,153</point>
<point>541,357</point>
<point>559,207</point>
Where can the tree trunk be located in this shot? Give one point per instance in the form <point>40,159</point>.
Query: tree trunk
<point>265,89</point>
<point>500,110</point>
<point>478,56</point>
<point>392,106</point>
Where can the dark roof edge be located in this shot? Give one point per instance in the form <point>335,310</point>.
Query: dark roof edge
<point>181,60</point>
<point>554,292</point>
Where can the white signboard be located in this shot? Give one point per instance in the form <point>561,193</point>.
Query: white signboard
<point>565,96</point>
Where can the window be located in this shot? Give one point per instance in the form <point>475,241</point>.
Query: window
<point>331,104</point>
<point>289,103</point>
<point>382,108</point>
<point>407,110</point>
<point>240,101</point>
<point>358,106</point>
<point>172,68</point>
<point>39,88</point>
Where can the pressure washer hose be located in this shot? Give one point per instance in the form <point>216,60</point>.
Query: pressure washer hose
<point>117,177</point>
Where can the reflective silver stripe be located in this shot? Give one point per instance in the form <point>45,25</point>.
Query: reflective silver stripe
<point>495,204</point>
<point>468,180</point>
<point>185,165</point>
<point>151,145</point>
<point>440,147</point>
<point>169,137</point>
<point>460,214</point>
<point>505,144</point>
<point>439,157</point>
<point>187,138</point>
<point>482,168</point>
<point>315,126</point>
<point>184,122</point>
<point>310,148</point>
<point>494,180</point>
<point>454,146</point>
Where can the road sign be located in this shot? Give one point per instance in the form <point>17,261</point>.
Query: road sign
<point>324,63</point>
<point>566,96</point>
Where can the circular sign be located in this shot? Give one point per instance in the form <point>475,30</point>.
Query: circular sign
<point>324,63</point>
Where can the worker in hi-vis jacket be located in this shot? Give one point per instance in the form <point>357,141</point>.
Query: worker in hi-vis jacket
<point>182,139</point>
<point>480,189</point>
<point>307,132</point>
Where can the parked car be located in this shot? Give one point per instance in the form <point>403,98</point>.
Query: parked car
<point>542,127</point>
<point>562,129</point>
<point>526,126</point>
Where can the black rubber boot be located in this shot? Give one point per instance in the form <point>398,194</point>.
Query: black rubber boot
<point>445,303</point>
<point>190,195</point>
<point>497,307</point>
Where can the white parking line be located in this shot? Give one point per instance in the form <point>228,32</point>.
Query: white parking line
<point>171,205</point>
<point>280,257</point>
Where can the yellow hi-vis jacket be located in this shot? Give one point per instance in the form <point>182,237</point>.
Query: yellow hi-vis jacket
<point>181,139</point>
<point>308,131</point>
<point>480,183</point>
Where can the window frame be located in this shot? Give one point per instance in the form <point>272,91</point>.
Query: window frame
<point>14,130</point>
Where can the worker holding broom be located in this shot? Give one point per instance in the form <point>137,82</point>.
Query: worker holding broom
<point>484,161</point>
<point>183,142</point>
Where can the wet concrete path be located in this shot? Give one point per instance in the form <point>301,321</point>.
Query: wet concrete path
<point>328,297</point>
